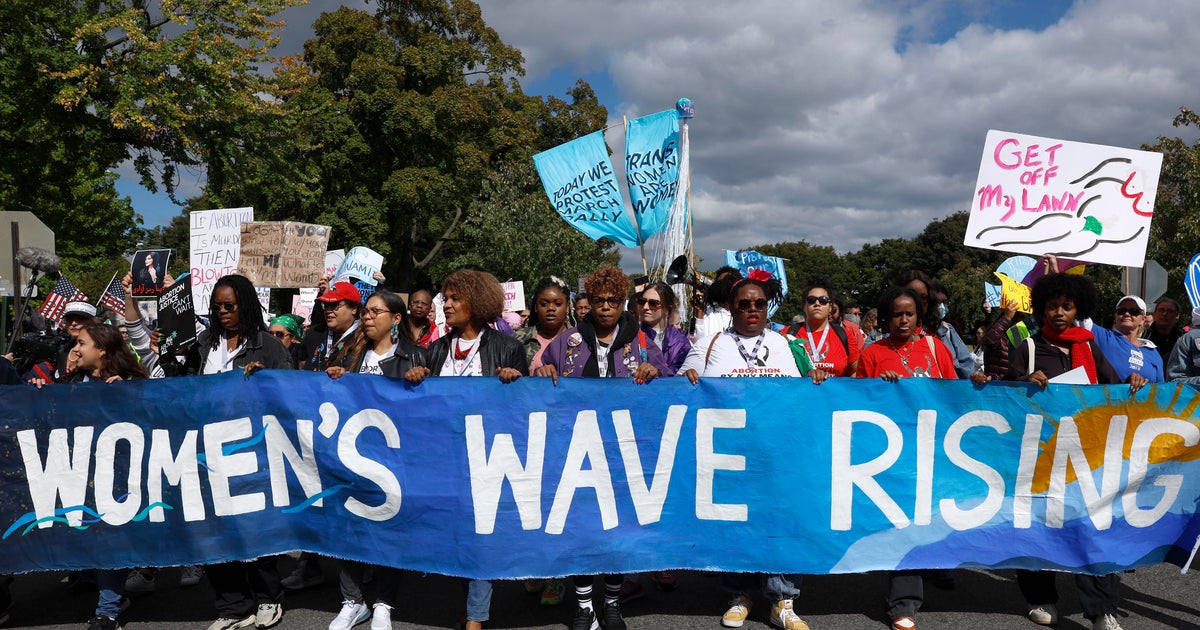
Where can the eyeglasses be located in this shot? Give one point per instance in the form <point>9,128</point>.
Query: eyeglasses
<point>280,334</point>
<point>375,312</point>
<point>1129,311</point>
<point>823,300</point>
<point>654,304</point>
<point>745,305</point>
<point>221,307</point>
<point>1166,311</point>
<point>597,301</point>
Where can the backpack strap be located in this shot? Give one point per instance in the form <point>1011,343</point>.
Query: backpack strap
<point>711,343</point>
<point>841,335</point>
<point>1029,347</point>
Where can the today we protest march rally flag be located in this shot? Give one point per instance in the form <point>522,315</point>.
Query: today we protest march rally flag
<point>598,476</point>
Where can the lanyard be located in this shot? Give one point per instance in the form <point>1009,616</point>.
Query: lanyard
<point>819,347</point>
<point>751,357</point>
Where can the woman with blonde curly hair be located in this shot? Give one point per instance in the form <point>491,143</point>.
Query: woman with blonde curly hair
<point>472,348</point>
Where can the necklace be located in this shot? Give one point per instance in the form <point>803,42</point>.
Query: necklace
<point>460,365</point>
<point>915,371</point>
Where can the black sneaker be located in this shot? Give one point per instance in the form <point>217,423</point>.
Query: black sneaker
<point>585,619</point>
<point>612,617</point>
<point>100,622</point>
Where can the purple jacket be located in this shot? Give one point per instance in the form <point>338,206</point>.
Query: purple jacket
<point>675,348</point>
<point>571,351</point>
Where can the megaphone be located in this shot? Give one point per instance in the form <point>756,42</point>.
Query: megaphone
<point>678,273</point>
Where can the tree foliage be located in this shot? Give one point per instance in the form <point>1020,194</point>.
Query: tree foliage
<point>1174,231</point>
<point>402,130</point>
<point>87,84</point>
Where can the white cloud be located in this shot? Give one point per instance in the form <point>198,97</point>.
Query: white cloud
<point>810,125</point>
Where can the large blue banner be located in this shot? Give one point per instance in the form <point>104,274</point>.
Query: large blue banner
<point>481,479</point>
<point>652,168</point>
<point>579,180</point>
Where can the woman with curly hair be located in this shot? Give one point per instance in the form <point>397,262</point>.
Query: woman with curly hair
<point>608,343</point>
<point>1060,346</point>
<point>472,348</point>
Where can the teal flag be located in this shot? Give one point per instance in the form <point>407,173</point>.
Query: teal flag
<point>579,180</point>
<point>652,168</point>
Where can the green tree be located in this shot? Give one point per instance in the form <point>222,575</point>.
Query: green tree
<point>88,84</point>
<point>1174,231</point>
<point>396,129</point>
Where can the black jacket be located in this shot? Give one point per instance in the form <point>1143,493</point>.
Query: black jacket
<point>263,347</point>
<point>406,357</point>
<point>496,350</point>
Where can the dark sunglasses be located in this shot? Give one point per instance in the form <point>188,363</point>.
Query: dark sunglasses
<point>817,299</point>
<point>1129,311</point>
<point>280,334</point>
<point>653,303</point>
<point>614,302</point>
<point>218,307</point>
<point>746,305</point>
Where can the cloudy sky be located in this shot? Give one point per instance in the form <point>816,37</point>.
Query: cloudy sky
<point>842,122</point>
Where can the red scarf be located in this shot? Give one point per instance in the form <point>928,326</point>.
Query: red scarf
<point>1081,350</point>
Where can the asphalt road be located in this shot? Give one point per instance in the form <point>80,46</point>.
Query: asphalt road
<point>1154,597</point>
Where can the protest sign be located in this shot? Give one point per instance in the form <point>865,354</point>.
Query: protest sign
<point>216,237</point>
<point>514,296</point>
<point>283,254</point>
<point>302,304</point>
<point>991,295</point>
<point>748,260</point>
<point>176,317</point>
<point>1014,295</point>
<point>598,475</point>
<point>579,180</point>
<point>652,168</point>
<point>148,268</point>
<point>333,260</point>
<point>1087,201</point>
<point>360,263</point>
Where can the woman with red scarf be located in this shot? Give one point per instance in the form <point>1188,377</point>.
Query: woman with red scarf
<point>1059,301</point>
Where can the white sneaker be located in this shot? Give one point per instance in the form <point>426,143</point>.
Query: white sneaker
<point>381,617</point>
<point>352,614</point>
<point>1043,614</point>
<point>227,623</point>
<point>190,575</point>
<point>1105,622</point>
<point>138,584</point>
<point>268,614</point>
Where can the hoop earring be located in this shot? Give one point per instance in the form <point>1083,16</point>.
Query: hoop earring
<point>395,332</point>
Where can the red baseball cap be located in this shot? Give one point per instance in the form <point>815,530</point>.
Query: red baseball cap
<point>341,291</point>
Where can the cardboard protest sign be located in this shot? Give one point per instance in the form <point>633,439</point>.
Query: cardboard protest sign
<point>216,237</point>
<point>360,263</point>
<point>148,267</point>
<point>514,296</point>
<point>176,317</point>
<point>1072,199</point>
<point>283,254</point>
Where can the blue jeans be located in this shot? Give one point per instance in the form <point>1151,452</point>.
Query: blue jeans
<point>774,587</point>
<point>111,583</point>
<point>479,599</point>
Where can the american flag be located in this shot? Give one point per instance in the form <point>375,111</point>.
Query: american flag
<point>114,297</point>
<point>62,293</point>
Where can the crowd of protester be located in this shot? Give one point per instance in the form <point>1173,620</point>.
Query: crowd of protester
<point>611,330</point>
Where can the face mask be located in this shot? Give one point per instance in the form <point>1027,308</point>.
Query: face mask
<point>943,310</point>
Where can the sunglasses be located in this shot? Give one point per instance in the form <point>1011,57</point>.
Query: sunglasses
<point>280,334</point>
<point>748,305</point>
<point>817,299</point>
<point>1129,311</point>
<point>654,304</point>
<point>224,307</point>
<point>596,301</point>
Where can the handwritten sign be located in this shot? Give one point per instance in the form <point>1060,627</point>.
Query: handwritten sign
<point>302,304</point>
<point>514,296</point>
<point>1087,201</point>
<point>360,263</point>
<point>333,260</point>
<point>216,243</point>
<point>176,317</point>
<point>579,181</point>
<point>652,168</point>
<point>283,254</point>
<point>1014,294</point>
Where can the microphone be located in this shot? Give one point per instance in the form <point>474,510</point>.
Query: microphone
<point>39,259</point>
